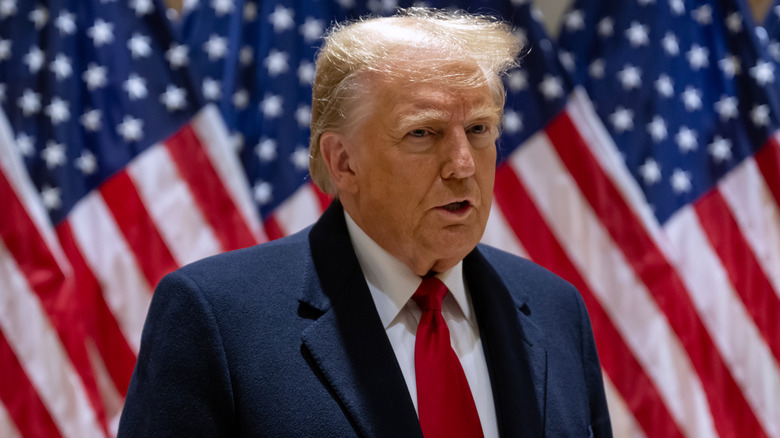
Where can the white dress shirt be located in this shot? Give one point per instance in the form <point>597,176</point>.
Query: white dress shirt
<point>392,284</point>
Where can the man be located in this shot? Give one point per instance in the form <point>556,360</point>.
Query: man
<point>385,318</point>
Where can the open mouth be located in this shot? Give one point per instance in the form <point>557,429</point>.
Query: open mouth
<point>456,207</point>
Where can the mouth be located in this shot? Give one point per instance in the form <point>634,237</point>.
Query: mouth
<point>457,207</point>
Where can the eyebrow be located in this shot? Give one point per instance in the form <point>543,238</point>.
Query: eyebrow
<point>428,114</point>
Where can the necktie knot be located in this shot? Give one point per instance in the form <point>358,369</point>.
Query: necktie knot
<point>430,294</point>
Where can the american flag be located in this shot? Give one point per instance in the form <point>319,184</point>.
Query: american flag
<point>681,287</point>
<point>112,173</point>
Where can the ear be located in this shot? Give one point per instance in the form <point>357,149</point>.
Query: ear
<point>336,154</point>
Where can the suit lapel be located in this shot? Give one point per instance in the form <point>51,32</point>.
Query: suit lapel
<point>347,343</point>
<point>516,361</point>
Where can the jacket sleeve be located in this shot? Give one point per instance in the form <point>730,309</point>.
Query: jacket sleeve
<point>181,382</point>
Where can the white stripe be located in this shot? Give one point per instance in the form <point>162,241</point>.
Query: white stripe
<point>126,291</point>
<point>37,346</point>
<point>754,208</point>
<point>212,133</point>
<point>624,424</point>
<point>622,295</point>
<point>723,313</point>
<point>298,211</point>
<point>499,234</point>
<point>172,207</point>
<point>7,427</point>
<point>12,167</point>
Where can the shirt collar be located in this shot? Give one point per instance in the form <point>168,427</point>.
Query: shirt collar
<point>392,283</point>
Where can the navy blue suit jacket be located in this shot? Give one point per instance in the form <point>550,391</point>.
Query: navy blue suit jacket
<point>283,339</point>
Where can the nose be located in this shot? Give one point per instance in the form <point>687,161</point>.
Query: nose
<point>458,156</point>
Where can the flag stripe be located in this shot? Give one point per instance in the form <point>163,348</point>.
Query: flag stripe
<point>744,273</point>
<point>169,201</point>
<point>45,362</point>
<point>129,212</point>
<point>98,321</point>
<point>212,197</point>
<point>20,397</point>
<point>299,210</point>
<point>616,357</point>
<point>623,422</point>
<point>108,256</point>
<point>723,313</point>
<point>272,229</point>
<point>768,160</point>
<point>499,234</point>
<point>7,426</point>
<point>730,410</point>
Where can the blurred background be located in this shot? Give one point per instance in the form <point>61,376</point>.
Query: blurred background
<point>639,159</point>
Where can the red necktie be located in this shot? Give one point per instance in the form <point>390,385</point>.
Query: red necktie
<point>444,401</point>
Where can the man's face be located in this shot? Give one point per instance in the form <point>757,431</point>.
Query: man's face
<point>424,163</point>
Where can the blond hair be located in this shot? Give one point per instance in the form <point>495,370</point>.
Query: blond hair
<point>352,51</point>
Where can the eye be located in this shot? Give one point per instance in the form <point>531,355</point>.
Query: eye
<point>419,133</point>
<point>479,129</point>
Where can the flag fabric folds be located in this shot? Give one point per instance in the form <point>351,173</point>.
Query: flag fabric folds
<point>111,175</point>
<point>639,160</point>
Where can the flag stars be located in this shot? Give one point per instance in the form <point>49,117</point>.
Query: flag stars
<point>266,150</point>
<point>174,98</point>
<point>142,7</point>
<point>5,49</point>
<point>34,59</point>
<point>276,63</point>
<point>575,21</point>
<point>703,15</point>
<point>637,34</point>
<point>66,23</point>
<point>622,119</point>
<point>262,192</point>
<point>606,27</point>
<point>517,81</point>
<point>650,171</point>
<point>300,158</point>
<point>25,144</point>
<point>657,129</point>
<point>241,99</point>
<point>720,149</point>
<point>551,87</point>
<point>7,8</point>
<point>597,69</point>
<point>86,162</point>
<point>691,98</point>
<point>29,102</point>
<point>726,107</point>
<point>53,154</point>
<point>567,60</point>
<point>131,129</point>
<point>58,111</point>
<point>178,55</point>
<point>730,66</point>
<point>664,86</point>
<point>95,76</point>
<point>303,116</point>
<point>212,89</point>
<point>246,55</point>
<point>39,16</point>
<point>61,67</point>
<point>271,106</point>
<point>513,122</point>
<point>670,44</point>
<point>680,181</point>
<point>763,72</point>
<point>216,47</point>
<point>222,7</point>
<point>140,46</point>
<point>91,120</point>
<point>51,197</point>
<point>135,86</point>
<point>759,115</point>
<point>677,7</point>
<point>630,77</point>
<point>698,57</point>
<point>734,22</point>
<point>250,12</point>
<point>306,72</point>
<point>281,19</point>
<point>312,29</point>
<point>102,32</point>
<point>686,139</point>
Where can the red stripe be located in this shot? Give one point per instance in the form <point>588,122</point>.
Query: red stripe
<point>21,399</point>
<point>47,281</point>
<point>141,234</point>
<point>324,199</point>
<point>744,271</point>
<point>272,229</point>
<point>768,161</point>
<point>730,410</point>
<point>99,323</point>
<point>628,376</point>
<point>210,194</point>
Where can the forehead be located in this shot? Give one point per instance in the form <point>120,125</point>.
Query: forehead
<point>434,100</point>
